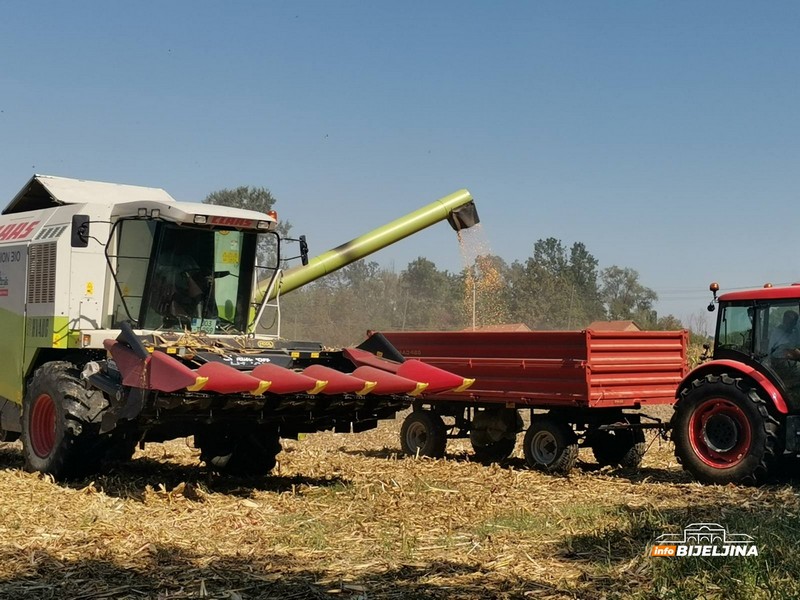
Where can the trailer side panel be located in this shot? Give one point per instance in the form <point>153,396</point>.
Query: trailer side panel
<point>551,369</point>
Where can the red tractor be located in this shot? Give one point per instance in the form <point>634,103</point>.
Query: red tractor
<point>737,415</point>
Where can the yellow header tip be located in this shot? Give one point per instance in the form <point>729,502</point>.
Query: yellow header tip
<point>199,384</point>
<point>464,385</point>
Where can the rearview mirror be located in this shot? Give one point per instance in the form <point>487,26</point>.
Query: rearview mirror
<point>303,250</point>
<point>79,236</point>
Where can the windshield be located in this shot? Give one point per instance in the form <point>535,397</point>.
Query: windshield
<point>736,328</point>
<point>180,278</point>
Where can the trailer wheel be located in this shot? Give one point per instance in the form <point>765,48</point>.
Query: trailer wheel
<point>245,454</point>
<point>60,423</point>
<point>551,445</point>
<point>723,432</point>
<point>423,433</point>
<point>623,447</point>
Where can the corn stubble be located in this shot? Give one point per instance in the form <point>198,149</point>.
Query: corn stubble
<point>345,516</point>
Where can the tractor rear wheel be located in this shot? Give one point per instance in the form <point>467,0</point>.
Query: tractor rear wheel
<point>723,432</point>
<point>423,434</point>
<point>551,445</point>
<point>60,423</point>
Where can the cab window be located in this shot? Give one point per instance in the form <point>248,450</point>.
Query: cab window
<point>736,328</point>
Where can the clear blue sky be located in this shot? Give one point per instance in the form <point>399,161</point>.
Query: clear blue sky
<point>663,135</point>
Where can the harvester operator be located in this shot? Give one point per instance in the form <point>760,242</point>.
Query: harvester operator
<point>186,291</point>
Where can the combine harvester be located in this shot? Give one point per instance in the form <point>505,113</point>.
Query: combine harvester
<point>129,317</point>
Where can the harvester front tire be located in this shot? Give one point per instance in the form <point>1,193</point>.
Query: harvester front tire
<point>251,453</point>
<point>723,431</point>
<point>255,455</point>
<point>423,434</point>
<point>60,422</point>
<point>551,446</point>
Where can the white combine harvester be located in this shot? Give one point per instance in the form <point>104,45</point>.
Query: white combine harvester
<point>128,317</point>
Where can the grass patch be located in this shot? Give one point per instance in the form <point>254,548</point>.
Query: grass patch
<point>516,523</point>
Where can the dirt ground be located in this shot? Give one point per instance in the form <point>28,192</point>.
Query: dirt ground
<point>346,516</point>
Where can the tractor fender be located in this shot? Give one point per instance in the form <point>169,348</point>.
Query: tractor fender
<point>733,367</point>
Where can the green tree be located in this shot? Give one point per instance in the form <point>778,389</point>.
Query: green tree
<point>555,288</point>
<point>259,199</point>
<point>428,297</point>
<point>340,307</point>
<point>667,323</point>
<point>583,274</point>
<point>626,298</point>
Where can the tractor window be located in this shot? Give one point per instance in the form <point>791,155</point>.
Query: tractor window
<point>736,328</point>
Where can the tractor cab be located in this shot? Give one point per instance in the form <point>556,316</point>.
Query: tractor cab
<point>760,328</point>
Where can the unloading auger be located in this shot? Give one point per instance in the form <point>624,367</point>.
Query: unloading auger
<point>458,209</point>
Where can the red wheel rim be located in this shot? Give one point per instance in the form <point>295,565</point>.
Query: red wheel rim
<point>43,426</point>
<point>720,433</point>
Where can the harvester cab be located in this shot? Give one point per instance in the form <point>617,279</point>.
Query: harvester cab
<point>195,274</point>
<point>130,317</point>
<point>739,413</point>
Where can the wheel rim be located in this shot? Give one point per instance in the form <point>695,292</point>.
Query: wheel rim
<point>43,426</point>
<point>720,433</point>
<point>544,447</point>
<point>416,436</point>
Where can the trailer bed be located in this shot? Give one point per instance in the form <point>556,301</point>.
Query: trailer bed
<point>551,369</point>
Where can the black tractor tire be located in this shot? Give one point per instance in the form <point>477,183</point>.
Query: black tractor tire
<point>423,434</point>
<point>121,444</point>
<point>8,436</point>
<point>493,434</point>
<point>622,447</point>
<point>551,445</point>
<point>250,453</point>
<point>60,423</point>
<point>723,431</point>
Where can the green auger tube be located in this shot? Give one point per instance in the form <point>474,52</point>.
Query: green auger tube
<point>457,208</point>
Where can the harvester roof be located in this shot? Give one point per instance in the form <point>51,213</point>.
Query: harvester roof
<point>46,191</point>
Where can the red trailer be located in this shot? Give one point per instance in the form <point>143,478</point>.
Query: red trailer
<point>582,388</point>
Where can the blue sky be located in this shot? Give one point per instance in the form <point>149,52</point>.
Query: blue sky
<point>663,135</point>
